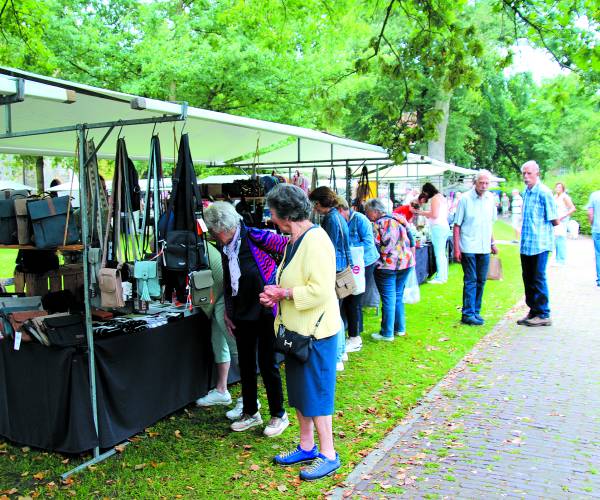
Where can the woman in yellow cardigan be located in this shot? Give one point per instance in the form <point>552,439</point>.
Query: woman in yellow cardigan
<point>307,304</point>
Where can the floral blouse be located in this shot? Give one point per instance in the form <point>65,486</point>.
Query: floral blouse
<point>393,242</point>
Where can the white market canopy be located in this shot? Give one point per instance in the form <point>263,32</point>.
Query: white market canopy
<point>215,138</point>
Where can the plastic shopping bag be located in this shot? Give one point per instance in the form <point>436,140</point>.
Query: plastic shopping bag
<point>358,269</point>
<point>412,294</point>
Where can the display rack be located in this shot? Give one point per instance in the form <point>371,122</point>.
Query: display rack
<point>81,130</point>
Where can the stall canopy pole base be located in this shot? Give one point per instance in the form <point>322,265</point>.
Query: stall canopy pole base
<point>97,459</point>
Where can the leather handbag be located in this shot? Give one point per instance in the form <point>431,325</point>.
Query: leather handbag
<point>23,224</point>
<point>17,319</point>
<point>344,280</point>
<point>53,222</point>
<point>36,327</point>
<point>495,268</point>
<point>8,223</point>
<point>111,287</point>
<point>294,344</point>
<point>344,283</point>
<point>65,331</point>
<point>183,250</point>
<point>146,274</point>
<point>201,283</point>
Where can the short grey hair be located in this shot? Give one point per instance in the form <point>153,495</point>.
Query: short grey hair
<point>290,202</point>
<point>483,173</point>
<point>375,205</point>
<point>221,217</point>
<point>530,163</point>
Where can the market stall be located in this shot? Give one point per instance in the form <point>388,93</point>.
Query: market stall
<point>138,377</point>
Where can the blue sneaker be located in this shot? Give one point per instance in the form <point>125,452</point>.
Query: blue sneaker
<point>471,320</point>
<point>321,467</point>
<point>296,456</point>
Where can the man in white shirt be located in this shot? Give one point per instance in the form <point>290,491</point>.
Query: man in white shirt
<point>473,243</point>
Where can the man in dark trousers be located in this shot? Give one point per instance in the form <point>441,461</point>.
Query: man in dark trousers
<point>540,214</point>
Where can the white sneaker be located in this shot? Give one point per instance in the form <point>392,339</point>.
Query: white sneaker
<point>276,426</point>
<point>378,336</point>
<point>436,282</point>
<point>400,334</point>
<point>214,397</point>
<point>236,412</point>
<point>246,422</point>
<point>353,344</point>
<point>339,367</point>
<point>345,357</point>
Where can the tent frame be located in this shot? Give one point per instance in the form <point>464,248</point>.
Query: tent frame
<point>81,130</point>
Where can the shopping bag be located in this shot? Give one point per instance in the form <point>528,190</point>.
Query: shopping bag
<point>358,269</point>
<point>495,269</point>
<point>412,294</point>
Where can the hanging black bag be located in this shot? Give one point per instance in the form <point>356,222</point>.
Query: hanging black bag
<point>183,248</point>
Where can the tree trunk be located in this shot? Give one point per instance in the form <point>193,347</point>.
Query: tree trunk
<point>39,173</point>
<point>437,149</point>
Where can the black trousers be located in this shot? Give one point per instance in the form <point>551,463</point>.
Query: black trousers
<point>250,336</point>
<point>352,314</point>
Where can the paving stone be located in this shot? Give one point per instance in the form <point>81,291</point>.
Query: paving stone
<point>518,418</point>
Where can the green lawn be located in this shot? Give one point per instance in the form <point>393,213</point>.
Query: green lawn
<point>193,454</point>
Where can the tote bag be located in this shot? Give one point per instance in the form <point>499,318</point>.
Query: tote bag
<point>412,294</point>
<point>358,269</point>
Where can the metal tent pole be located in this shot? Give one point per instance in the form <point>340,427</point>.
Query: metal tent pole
<point>348,184</point>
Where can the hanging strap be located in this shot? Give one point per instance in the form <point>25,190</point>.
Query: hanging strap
<point>332,180</point>
<point>314,182</point>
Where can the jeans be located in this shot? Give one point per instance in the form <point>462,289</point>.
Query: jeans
<point>596,238</point>
<point>391,290</point>
<point>536,287</point>
<point>561,249</point>
<point>475,269</point>
<point>439,238</point>
<point>249,334</point>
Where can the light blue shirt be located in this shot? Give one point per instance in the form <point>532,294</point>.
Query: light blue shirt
<point>594,204</point>
<point>476,215</point>
<point>361,235</point>
<point>539,210</point>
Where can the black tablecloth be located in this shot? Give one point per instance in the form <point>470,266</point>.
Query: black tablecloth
<point>425,265</point>
<point>142,377</point>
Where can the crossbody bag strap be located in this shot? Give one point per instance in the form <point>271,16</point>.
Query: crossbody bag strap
<point>343,240</point>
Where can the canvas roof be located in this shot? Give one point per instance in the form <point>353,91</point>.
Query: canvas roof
<point>215,138</point>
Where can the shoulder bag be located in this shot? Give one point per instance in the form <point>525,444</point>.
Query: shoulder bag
<point>344,280</point>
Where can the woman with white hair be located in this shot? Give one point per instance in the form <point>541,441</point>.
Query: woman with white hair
<point>396,248</point>
<point>248,265</point>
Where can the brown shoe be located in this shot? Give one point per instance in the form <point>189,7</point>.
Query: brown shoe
<point>524,319</point>
<point>537,321</point>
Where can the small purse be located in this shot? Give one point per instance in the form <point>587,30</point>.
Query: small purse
<point>111,287</point>
<point>65,331</point>
<point>201,283</point>
<point>146,274</point>
<point>344,280</point>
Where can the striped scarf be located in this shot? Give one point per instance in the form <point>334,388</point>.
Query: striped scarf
<point>266,247</point>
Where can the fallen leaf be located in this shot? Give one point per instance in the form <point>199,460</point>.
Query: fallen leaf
<point>152,434</point>
<point>68,482</point>
<point>11,491</point>
<point>139,466</point>
<point>51,485</point>
<point>443,339</point>
<point>39,476</point>
<point>120,448</point>
<point>177,434</point>
<point>236,476</point>
<point>255,467</point>
<point>371,410</point>
<point>282,487</point>
<point>385,486</point>
<point>247,447</point>
<point>26,449</point>
<point>65,461</point>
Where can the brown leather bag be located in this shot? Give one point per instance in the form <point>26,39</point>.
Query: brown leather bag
<point>17,319</point>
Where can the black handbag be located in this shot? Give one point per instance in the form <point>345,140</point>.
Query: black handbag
<point>183,251</point>
<point>65,331</point>
<point>49,218</point>
<point>8,223</point>
<point>294,344</point>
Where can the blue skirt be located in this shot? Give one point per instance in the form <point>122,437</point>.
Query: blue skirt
<point>311,385</point>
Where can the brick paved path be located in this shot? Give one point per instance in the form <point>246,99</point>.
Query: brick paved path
<point>519,417</point>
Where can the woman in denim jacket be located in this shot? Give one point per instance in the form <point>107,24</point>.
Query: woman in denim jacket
<point>325,202</point>
<point>396,257</point>
<point>361,235</point>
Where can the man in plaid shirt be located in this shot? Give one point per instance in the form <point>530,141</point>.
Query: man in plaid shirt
<point>537,241</point>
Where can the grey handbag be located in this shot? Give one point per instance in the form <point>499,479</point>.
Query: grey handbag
<point>201,283</point>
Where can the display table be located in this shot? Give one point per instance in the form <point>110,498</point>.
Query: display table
<point>425,262</point>
<point>141,378</point>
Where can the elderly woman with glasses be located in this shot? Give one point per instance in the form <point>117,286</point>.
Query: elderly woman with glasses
<point>248,265</point>
<point>396,257</point>
<point>307,304</point>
